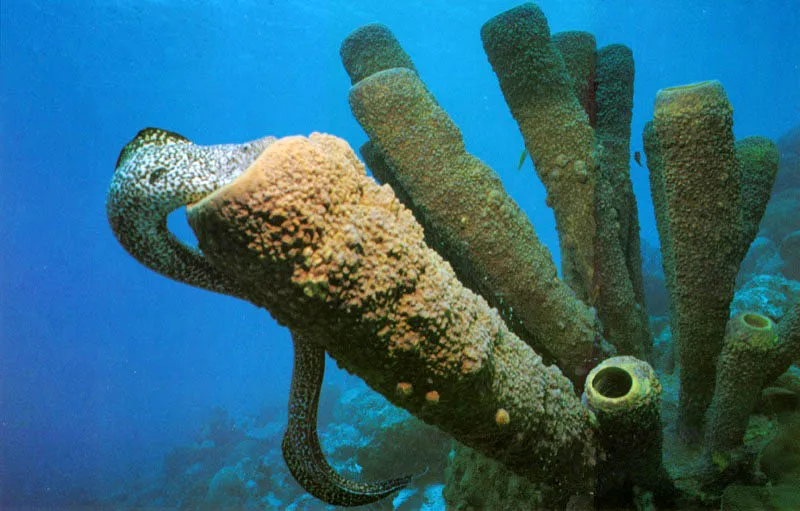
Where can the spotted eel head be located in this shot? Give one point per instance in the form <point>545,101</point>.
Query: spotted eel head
<point>158,172</point>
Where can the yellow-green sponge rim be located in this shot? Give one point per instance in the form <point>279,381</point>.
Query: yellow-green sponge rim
<point>619,382</point>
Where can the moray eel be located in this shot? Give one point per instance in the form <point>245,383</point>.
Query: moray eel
<point>159,172</point>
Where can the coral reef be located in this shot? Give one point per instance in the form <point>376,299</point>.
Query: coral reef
<point>780,462</point>
<point>762,258</point>
<point>760,498</point>
<point>790,253</point>
<point>473,481</point>
<point>770,295</point>
<point>789,148</point>
<point>782,216</point>
<point>235,463</point>
<point>436,291</point>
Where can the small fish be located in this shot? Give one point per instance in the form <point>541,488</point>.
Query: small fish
<point>637,157</point>
<point>522,158</point>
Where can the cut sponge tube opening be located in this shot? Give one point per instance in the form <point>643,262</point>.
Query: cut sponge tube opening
<point>612,382</point>
<point>756,321</point>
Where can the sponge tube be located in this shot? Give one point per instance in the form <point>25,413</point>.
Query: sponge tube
<point>788,350</point>
<point>758,158</point>
<point>750,344</point>
<point>539,92</point>
<point>471,220</point>
<point>308,236</point>
<point>625,396</point>
<point>370,49</point>
<point>620,303</point>
<point>702,195</point>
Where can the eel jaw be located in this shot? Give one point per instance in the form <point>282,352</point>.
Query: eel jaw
<point>157,173</point>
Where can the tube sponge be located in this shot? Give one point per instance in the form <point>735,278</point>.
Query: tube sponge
<point>625,396</point>
<point>308,236</point>
<point>619,279</point>
<point>539,92</point>
<point>658,193</point>
<point>758,158</point>
<point>471,220</point>
<point>557,90</point>
<point>750,343</point>
<point>370,49</point>
<point>788,350</point>
<point>579,51</point>
<point>614,96</point>
<point>702,202</point>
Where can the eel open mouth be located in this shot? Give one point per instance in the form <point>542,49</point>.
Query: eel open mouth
<point>158,172</point>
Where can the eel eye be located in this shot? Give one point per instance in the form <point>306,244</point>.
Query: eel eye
<point>160,171</point>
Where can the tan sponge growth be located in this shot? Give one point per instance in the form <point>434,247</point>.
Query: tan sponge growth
<point>573,105</point>
<point>308,236</point>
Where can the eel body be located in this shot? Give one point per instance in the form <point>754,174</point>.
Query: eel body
<point>160,171</point>
<point>301,448</point>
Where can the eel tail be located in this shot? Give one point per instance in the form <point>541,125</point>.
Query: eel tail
<point>300,446</point>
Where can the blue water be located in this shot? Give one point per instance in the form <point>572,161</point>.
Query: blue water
<point>105,365</point>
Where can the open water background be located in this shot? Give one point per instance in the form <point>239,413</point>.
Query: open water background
<point>105,365</point>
